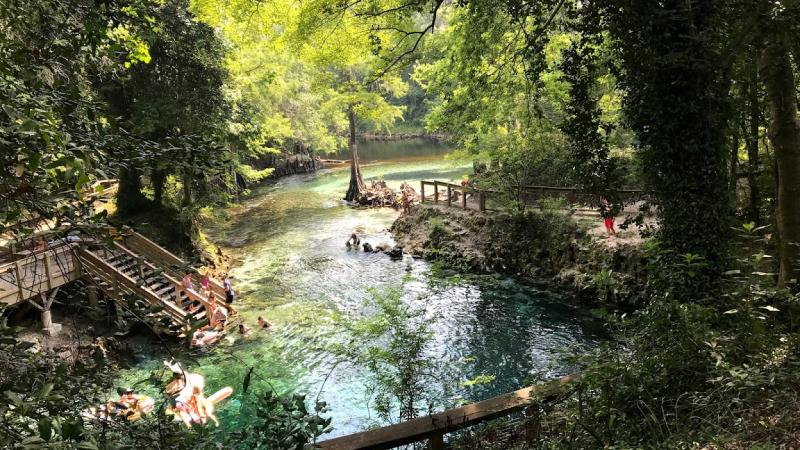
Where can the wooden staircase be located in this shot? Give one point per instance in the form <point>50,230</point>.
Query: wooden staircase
<point>121,273</point>
<point>127,267</point>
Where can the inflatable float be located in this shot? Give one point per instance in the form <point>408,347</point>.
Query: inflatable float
<point>197,409</point>
<point>131,409</point>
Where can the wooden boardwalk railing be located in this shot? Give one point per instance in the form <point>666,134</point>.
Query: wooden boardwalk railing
<point>572,195</point>
<point>434,427</point>
<point>38,273</point>
<point>117,284</point>
<point>171,263</point>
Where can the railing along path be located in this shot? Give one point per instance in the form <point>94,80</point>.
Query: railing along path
<point>434,427</point>
<point>460,193</point>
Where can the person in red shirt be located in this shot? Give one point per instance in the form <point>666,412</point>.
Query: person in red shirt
<point>607,213</point>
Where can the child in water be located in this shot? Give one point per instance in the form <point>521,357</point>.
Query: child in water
<point>264,323</point>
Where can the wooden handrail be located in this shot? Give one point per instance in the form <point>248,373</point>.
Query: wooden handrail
<point>32,274</point>
<point>131,285</point>
<point>177,285</point>
<point>169,258</point>
<point>435,426</point>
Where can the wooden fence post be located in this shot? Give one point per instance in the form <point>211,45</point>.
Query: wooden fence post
<point>437,442</point>
<point>18,270</point>
<point>482,201</point>
<point>464,197</point>
<point>91,290</point>
<point>47,270</point>
<point>449,195</point>
<point>435,192</point>
<point>422,191</point>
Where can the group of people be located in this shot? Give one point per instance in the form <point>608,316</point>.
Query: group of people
<point>217,314</point>
<point>205,289</point>
<point>129,406</point>
<point>263,324</point>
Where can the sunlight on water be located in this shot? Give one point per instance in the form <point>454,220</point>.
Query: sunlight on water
<point>291,266</point>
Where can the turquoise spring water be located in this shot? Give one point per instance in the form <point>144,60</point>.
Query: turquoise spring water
<point>291,266</point>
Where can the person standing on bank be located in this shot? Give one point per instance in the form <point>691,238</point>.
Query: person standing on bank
<point>226,283</point>
<point>607,213</point>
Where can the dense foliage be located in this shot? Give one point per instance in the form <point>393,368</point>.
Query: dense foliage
<point>693,100</point>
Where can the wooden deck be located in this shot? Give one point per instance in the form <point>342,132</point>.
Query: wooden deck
<point>435,426</point>
<point>38,273</point>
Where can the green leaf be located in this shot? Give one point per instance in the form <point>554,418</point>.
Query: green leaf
<point>44,391</point>
<point>45,427</point>
<point>14,397</point>
<point>33,442</point>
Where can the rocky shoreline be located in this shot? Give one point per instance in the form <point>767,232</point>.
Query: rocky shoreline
<point>541,246</point>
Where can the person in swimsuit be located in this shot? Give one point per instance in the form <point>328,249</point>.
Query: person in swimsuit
<point>204,288</point>
<point>228,285</point>
<point>355,241</point>
<point>264,323</point>
<point>607,213</point>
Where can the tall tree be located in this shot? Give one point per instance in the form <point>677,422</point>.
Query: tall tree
<point>177,94</point>
<point>784,133</point>
<point>53,127</point>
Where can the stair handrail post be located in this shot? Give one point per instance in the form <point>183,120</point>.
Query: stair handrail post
<point>139,268</point>
<point>422,191</point>
<point>449,195</point>
<point>435,192</point>
<point>18,275</point>
<point>437,442</point>
<point>464,197</point>
<point>47,270</point>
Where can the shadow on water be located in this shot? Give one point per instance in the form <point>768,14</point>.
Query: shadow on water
<point>291,266</point>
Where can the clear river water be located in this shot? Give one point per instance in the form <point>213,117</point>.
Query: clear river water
<point>291,266</point>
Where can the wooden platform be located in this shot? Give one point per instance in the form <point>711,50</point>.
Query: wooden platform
<point>38,273</point>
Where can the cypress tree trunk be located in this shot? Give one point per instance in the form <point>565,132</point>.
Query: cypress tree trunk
<point>356,187</point>
<point>159,178</point>
<point>129,193</point>
<point>784,133</point>
<point>751,141</point>
<point>187,189</point>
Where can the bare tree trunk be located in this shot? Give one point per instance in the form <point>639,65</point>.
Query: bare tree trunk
<point>733,166</point>
<point>751,141</point>
<point>129,193</point>
<point>187,189</point>
<point>356,187</point>
<point>784,133</point>
<point>158,177</point>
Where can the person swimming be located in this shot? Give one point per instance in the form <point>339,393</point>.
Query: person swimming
<point>355,241</point>
<point>264,323</point>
